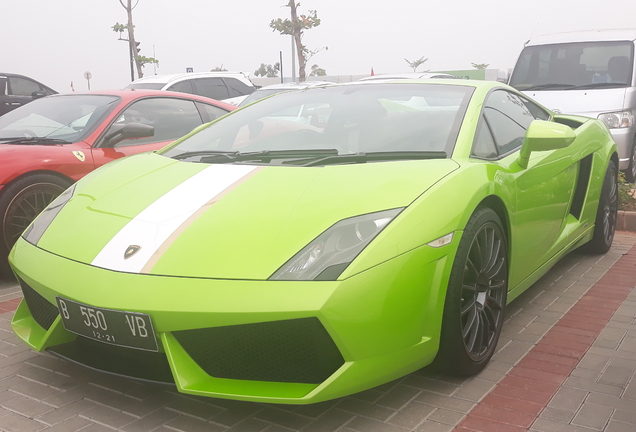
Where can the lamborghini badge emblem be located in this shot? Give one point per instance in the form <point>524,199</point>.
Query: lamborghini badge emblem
<point>132,250</point>
<point>79,155</point>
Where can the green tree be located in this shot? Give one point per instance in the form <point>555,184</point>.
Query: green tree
<point>296,27</point>
<point>317,71</point>
<point>480,65</point>
<point>143,60</point>
<point>416,63</point>
<point>268,70</point>
<point>139,61</point>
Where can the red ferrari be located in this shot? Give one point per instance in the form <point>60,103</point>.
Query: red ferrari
<point>52,142</point>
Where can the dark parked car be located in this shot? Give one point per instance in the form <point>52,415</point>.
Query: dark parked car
<point>17,90</point>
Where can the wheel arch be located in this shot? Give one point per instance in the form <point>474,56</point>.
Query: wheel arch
<point>495,203</point>
<point>614,158</point>
<point>37,172</point>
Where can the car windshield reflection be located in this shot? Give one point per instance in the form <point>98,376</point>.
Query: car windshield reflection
<point>362,118</point>
<point>68,117</point>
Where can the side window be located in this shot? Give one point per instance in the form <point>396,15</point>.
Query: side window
<point>210,112</point>
<point>22,87</point>
<point>537,112</point>
<point>3,86</point>
<point>211,87</point>
<point>484,145</point>
<point>182,86</point>
<point>508,118</point>
<point>237,87</point>
<point>171,118</point>
<point>512,106</point>
<point>508,134</point>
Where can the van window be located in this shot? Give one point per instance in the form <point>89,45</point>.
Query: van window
<point>574,65</point>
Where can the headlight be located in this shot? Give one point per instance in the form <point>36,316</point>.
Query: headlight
<point>326,257</point>
<point>617,120</point>
<point>35,231</point>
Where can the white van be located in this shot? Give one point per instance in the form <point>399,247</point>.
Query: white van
<point>589,73</point>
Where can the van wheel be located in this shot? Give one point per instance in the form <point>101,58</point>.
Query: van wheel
<point>630,173</point>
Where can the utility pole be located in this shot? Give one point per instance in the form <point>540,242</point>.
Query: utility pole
<point>281,66</point>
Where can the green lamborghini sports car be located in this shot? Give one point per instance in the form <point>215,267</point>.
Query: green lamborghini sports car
<point>318,242</point>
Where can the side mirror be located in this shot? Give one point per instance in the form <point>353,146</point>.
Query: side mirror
<point>542,136</point>
<point>128,131</point>
<point>38,94</point>
<point>503,76</point>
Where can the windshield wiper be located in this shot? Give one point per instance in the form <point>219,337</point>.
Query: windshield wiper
<point>210,156</point>
<point>547,86</point>
<point>367,157</point>
<point>601,85</point>
<point>190,154</point>
<point>33,140</point>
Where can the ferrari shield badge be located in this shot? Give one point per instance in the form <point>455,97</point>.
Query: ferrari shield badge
<point>131,251</point>
<point>79,155</point>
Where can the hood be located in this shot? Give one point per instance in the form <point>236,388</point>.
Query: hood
<point>588,103</point>
<point>151,214</point>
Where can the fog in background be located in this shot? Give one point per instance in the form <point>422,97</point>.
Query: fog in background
<point>56,41</point>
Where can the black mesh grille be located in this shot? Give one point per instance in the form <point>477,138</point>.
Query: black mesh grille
<point>43,312</point>
<point>294,351</point>
<point>132,363</point>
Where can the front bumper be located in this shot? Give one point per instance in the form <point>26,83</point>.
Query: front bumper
<point>383,323</point>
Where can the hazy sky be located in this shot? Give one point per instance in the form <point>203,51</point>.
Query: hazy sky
<point>56,41</point>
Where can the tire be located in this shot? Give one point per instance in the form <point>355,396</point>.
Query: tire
<point>606,214</point>
<point>20,203</point>
<point>630,173</point>
<point>476,297</point>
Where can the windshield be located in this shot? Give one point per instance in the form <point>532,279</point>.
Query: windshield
<point>69,117</point>
<point>260,94</point>
<point>574,65</point>
<point>347,119</point>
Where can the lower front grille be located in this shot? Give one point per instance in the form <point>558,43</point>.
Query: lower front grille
<point>293,351</point>
<point>43,311</point>
<point>131,363</point>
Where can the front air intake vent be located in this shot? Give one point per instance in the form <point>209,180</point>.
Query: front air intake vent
<point>293,351</point>
<point>43,312</point>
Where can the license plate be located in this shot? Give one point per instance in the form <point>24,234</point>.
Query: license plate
<point>127,329</point>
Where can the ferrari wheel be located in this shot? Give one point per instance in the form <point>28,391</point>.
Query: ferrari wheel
<point>21,202</point>
<point>476,296</point>
<point>606,215</point>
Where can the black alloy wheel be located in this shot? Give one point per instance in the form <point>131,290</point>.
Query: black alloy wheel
<point>24,207</point>
<point>20,203</point>
<point>483,291</point>
<point>606,214</point>
<point>476,296</point>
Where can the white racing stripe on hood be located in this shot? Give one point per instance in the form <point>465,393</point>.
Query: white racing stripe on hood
<point>154,225</point>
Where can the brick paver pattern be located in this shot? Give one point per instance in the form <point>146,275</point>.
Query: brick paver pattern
<point>565,362</point>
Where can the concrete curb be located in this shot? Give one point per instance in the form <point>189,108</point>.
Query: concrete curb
<point>626,221</point>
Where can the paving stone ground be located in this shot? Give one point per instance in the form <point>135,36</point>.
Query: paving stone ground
<point>566,362</point>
